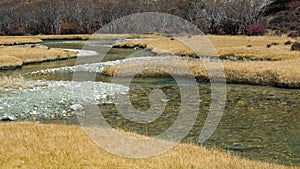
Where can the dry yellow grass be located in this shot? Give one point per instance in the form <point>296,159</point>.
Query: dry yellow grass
<point>62,37</point>
<point>30,145</point>
<point>90,36</point>
<point>14,56</point>
<point>7,61</point>
<point>159,44</point>
<point>282,71</point>
<point>237,46</point>
<point>224,45</point>
<point>19,40</point>
<point>276,73</point>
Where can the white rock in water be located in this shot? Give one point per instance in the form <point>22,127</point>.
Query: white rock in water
<point>34,113</point>
<point>165,100</point>
<point>8,118</point>
<point>76,107</point>
<point>12,118</point>
<point>83,52</point>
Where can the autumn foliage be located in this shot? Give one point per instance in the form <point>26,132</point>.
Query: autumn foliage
<point>293,4</point>
<point>256,30</point>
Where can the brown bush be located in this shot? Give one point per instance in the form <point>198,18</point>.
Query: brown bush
<point>294,34</point>
<point>296,46</point>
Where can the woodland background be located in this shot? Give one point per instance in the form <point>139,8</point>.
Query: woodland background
<point>32,17</point>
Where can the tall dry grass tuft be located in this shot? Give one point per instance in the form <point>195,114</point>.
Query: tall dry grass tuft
<point>30,145</point>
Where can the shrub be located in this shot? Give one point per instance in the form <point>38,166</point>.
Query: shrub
<point>256,30</point>
<point>296,46</point>
<point>293,4</point>
<point>294,34</point>
<point>16,31</point>
<point>288,42</point>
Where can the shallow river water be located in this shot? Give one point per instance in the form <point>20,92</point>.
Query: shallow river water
<point>259,122</point>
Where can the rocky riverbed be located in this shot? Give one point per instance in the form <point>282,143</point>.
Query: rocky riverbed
<point>50,100</point>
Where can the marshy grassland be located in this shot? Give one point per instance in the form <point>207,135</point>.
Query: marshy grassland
<point>31,145</point>
<point>249,60</point>
<point>275,73</point>
<point>238,46</point>
<point>15,56</point>
<point>18,40</point>
<point>18,50</point>
<point>87,36</point>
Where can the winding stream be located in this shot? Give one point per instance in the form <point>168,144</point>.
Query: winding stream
<point>259,122</point>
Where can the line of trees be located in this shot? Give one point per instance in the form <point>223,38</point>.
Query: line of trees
<point>19,17</point>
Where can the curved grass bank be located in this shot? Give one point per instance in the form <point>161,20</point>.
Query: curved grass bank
<point>18,40</point>
<point>12,57</point>
<point>284,74</point>
<point>227,47</point>
<point>277,65</point>
<point>18,50</point>
<point>31,145</point>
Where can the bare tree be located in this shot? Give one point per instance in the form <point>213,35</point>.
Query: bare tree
<point>78,16</point>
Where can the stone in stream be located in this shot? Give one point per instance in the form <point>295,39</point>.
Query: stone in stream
<point>78,109</point>
<point>8,118</point>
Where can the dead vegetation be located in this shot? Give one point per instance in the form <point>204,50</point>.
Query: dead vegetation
<point>18,40</point>
<point>277,65</point>
<point>239,47</point>
<point>31,145</point>
<point>12,57</point>
<point>277,73</point>
<point>10,62</point>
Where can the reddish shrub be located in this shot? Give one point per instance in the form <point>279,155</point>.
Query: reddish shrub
<point>293,4</point>
<point>256,30</point>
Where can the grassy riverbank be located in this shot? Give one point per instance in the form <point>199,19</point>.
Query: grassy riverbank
<point>30,145</point>
<point>276,65</point>
<point>277,73</point>
<point>18,50</point>
<point>12,57</point>
<point>249,60</point>
<point>239,47</point>
<point>18,40</point>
